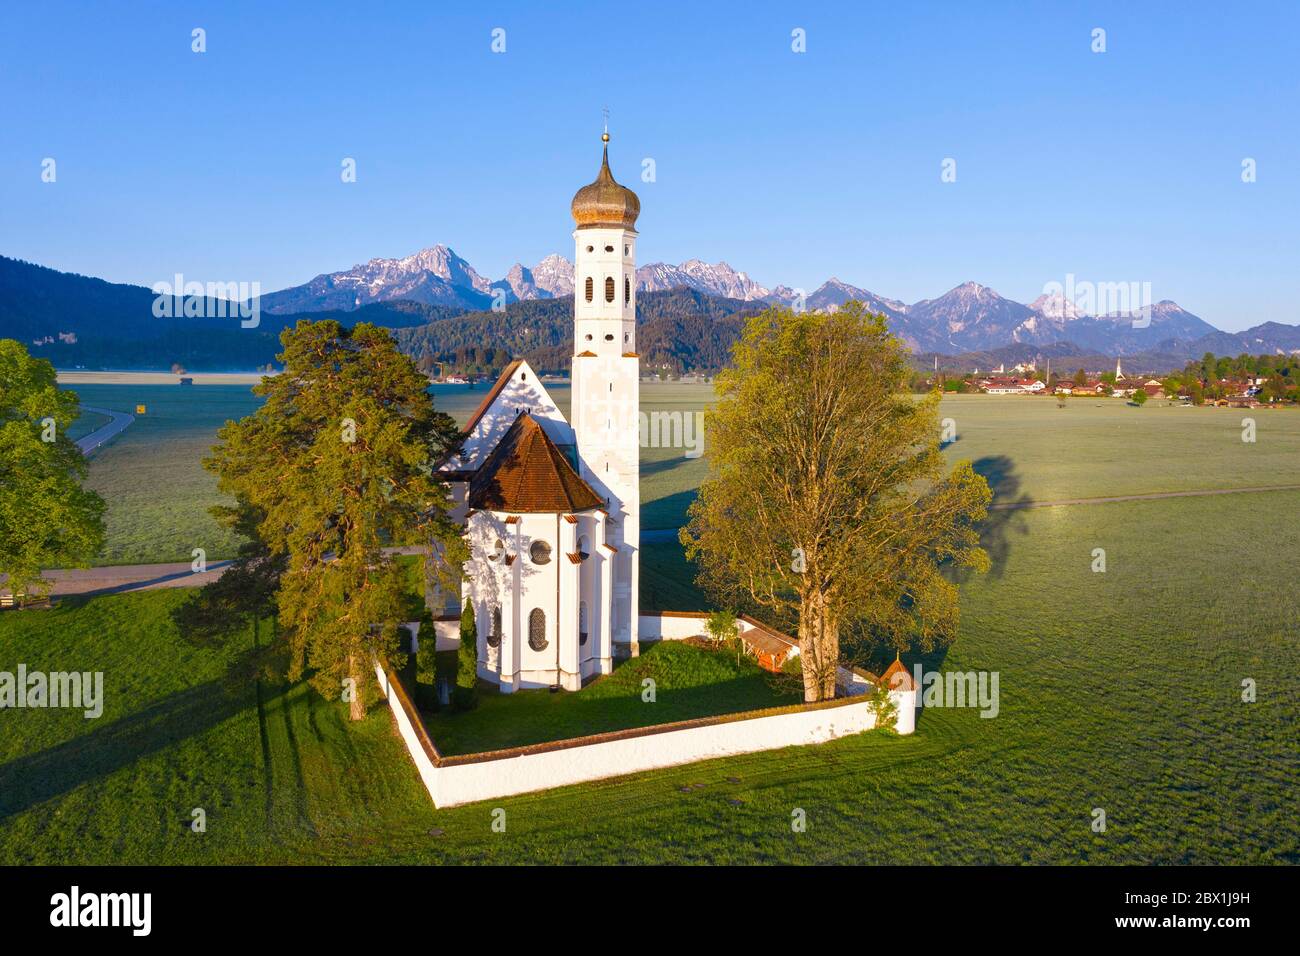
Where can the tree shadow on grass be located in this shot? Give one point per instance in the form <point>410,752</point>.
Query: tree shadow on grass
<point>668,511</point>
<point>33,779</point>
<point>1005,520</point>
<point>663,464</point>
<point>537,716</point>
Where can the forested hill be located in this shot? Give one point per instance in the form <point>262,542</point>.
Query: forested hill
<point>79,321</point>
<point>681,330</point>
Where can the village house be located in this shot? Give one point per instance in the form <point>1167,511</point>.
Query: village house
<point>1011,386</point>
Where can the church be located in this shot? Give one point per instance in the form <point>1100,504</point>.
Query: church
<point>551,507</point>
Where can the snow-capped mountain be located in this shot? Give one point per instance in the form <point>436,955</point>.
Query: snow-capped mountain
<point>1056,321</point>
<point>833,293</point>
<point>554,276</point>
<point>1056,306</point>
<point>436,276</point>
<point>720,279</point>
<point>969,317</point>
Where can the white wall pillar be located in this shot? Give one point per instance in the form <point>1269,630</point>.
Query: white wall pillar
<point>567,625</point>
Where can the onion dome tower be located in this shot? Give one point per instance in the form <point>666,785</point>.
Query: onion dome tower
<point>606,379</point>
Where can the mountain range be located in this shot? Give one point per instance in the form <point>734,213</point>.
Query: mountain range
<point>79,320</point>
<point>968,318</point>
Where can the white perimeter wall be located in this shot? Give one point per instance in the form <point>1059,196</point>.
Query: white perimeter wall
<point>451,783</point>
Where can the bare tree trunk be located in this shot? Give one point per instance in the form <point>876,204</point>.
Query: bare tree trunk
<point>357,709</point>
<point>830,656</point>
<point>818,647</point>
<point>807,648</point>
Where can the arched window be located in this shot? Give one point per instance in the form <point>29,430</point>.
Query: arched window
<point>494,634</point>
<point>590,288</point>
<point>540,552</point>
<point>609,288</point>
<point>584,548</point>
<point>627,291</point>
<point>537,629</point>
<point>497,551</point>
<point>582,624</point>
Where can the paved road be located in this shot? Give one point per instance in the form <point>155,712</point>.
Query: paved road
<point>132,577</point>
<point>143,577</point>
<point>100,436</point>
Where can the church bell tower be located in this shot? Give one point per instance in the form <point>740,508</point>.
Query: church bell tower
<point>606,382</point>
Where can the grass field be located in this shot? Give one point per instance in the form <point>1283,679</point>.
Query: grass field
<point>1028,448</point>
<point>152,475</point>
<point>1119,690</point>
<point>158,493</point>
<point>689,682</point>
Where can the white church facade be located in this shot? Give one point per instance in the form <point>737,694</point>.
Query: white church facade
<point>551,507</point>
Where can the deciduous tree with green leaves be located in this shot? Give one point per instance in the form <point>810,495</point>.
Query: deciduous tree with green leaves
<point>828,503</point>
<point>47,519</point>
<point>340,462</point>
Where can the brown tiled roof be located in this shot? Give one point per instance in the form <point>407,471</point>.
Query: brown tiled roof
<point>897,677</point>
<point>491,396</point>
<point>526,473</point>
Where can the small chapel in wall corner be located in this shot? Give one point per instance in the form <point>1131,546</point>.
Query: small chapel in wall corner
<point>551,507</point>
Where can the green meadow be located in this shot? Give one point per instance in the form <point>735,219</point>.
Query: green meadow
<point>689,682</point>
<point>158,493</point>
<point>1119,691</point>
<point>1029,449</point>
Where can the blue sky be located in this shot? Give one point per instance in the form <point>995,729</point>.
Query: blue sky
<point>1122,166</point>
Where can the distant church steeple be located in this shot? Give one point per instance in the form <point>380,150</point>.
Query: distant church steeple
<point>1119,369</point>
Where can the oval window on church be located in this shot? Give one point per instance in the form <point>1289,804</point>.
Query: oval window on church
<point>609,288</point>
<point>494,633</point>
<point>590,288</point>
<point>540,552</point>
<point>537,629</point>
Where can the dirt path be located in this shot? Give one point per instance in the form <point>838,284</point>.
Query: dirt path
<point>120,578</point>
